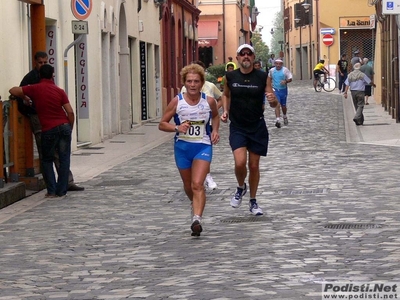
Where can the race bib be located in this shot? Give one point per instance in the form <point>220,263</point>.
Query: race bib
<point>195,131</point>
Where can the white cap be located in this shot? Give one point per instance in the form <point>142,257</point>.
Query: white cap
<point>244,46</point>
<point>357,66</point>
<point>279,60</point>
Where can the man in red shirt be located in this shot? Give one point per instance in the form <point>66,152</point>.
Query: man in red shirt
<point>57,119</point>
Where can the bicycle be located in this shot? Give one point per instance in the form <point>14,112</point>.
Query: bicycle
<point>328,85</point>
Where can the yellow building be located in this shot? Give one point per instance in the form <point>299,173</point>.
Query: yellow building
<point>324,30</point>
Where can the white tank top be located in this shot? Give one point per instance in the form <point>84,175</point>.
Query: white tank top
<point>199,117</point>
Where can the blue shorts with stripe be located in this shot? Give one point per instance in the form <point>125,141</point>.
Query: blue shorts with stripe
<point>186,153</point>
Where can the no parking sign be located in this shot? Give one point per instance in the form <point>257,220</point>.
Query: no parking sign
<point>81,9</point>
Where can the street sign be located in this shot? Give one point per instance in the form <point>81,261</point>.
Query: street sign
<point>80,27</point>
<point>327,31</point>
<point>327,39</point>
<point>81,9</point>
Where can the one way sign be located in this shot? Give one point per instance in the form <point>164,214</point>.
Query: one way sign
<point>327,31</point>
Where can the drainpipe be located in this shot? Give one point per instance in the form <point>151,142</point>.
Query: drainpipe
<point>223,32</point>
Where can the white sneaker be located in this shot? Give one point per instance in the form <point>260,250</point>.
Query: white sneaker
<point>236,200</point>
<point>255,209</point>
<point>210,183</point>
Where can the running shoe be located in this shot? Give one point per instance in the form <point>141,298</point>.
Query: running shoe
<point>285,121</point>
<point>237,198</point>
<point>210,183</point>
<point>196,226</point>
<point>254,208</point>
<point>278,124</point>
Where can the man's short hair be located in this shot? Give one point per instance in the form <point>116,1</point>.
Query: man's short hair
<point>46,71</point>
<point>40,54</point>
<point>200,63</point>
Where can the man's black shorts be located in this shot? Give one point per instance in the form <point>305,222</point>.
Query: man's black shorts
<point>368,90</point>
<point>255,142</point>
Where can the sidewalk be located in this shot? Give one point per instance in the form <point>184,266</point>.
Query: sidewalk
<point>379,128</point>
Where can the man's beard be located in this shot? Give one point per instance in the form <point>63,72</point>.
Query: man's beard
<point>246,64</point>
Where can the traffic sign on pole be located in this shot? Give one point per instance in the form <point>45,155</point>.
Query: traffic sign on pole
<point>327,39</point>
<point>327,31</point>
<point>81,9</point>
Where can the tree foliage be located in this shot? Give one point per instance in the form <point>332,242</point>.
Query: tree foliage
<point>278,36</point>
<point>261,49</point>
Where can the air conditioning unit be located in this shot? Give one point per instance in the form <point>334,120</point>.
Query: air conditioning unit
<point>391,7</point>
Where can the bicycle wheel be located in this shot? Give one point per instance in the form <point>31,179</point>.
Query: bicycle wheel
<point>329,84</point>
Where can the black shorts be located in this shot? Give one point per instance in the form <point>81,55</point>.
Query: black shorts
<point>255,142</point>
<point>317,73</point>
<point>368,90</point>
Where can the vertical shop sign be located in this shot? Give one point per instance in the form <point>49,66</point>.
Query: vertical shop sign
<point>82,91</point>
<point>143,88</point>
<point>51,48</point>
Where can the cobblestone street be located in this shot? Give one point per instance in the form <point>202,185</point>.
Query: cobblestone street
<point>331,214</point>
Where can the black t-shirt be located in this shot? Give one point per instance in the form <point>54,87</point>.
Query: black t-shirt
<point>343,65</point>
<point>247,98</point>
<point>32,77</point>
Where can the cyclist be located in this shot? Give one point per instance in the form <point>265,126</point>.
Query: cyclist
<point>318,70</point>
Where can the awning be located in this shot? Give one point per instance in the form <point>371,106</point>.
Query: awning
<point>207,33</point>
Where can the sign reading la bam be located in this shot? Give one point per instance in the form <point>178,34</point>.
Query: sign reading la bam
<point>355,22</point>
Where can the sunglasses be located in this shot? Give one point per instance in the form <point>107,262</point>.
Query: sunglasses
<point>245,53</point>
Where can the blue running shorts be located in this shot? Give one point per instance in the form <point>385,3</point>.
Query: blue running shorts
<point>186,153</point>
<point>281,96</point>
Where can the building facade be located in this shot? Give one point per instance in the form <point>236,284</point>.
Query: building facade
<point>324,30</point>
<point>223,26</point>
<point>112,73</point>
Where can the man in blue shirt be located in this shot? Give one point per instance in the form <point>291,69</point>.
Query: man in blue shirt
<point>356,82</point>
<point>279,77</point>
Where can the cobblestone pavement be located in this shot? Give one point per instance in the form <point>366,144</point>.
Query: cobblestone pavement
<point>128,235</point>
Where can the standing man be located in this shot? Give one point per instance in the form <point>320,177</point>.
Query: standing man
<point>356,58</point>
<point>244,93</point>
<point>342,64</point>
<point>369,71</point>
<point>271,62</point>
<point>57,119</point>
<point>356,81</point>
<point>33,77</point>
<point>279,77</point>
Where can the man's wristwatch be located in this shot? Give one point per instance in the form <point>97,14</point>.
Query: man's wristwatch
<point>176,128</point>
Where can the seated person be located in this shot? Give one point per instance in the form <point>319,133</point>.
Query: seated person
<point>318,70</point>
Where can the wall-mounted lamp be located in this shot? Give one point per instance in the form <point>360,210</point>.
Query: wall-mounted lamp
<point>297,20</point>
<point>306,7</point>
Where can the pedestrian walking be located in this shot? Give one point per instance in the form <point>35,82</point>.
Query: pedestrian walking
<point>356,59</point>
<point>192,112</point>
<point>210,89</point>
<point>279,77</point>
<point>33,77</point>
<point>57,119</point>
<point>356,82</point>
<point>369,71</point>
<point>244,93</point>
<point>342,67</point>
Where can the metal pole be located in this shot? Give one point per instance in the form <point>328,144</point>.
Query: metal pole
<point>66,61</point>
<point>301,56</point>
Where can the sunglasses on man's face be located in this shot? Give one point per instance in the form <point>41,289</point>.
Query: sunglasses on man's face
<point>245,53</point>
